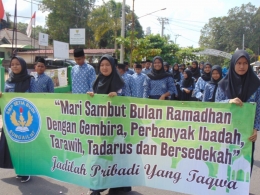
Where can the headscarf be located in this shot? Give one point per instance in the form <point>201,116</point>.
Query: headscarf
<point>195,71</point>
<point>158,74</point>
<point>106,84</point>
<point>206,76</point>
<point>215,82</point>
<point>22,80</point>
<point>176,73</point>
<point>168,66</point>
<point>187,82</point>
<point>235,85</point>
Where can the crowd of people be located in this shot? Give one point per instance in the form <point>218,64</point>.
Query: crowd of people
<point>154,79</point>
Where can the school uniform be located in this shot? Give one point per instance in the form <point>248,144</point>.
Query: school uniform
<point>195,71</point>
<point>208,93</point>
<point>201,83</point>
<point>211,86</point>
<point>138,85</point>
<point>199,88</point>
<point>83,78</point>
<point>19,83</point>
<point>158,82</point>
<point>127,89</point>
<point>105,85</point>
<point>177,77</point>
<point>187,83</point>
<point>146,70</point>
<point>43,84</point>
<point>10,87</point>
<point>245,87</point>
<point>130,71</point>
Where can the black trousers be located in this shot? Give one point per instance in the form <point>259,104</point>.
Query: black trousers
<point>5,157</point>
<point>252,157</point>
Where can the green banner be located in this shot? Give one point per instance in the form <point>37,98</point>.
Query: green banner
<point>101,142</point>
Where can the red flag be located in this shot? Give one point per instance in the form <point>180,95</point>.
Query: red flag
<point>2,11</point>
<point>32,22</point>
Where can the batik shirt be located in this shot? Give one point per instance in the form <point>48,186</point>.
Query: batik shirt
<point>199,88</point>
<point>146,71</point>
<point>138,84</point>
<point>180,81</point>
<point>83,78</point>
<point>44,84</point>
<point>130,71</point>
<point>9,87</point>
<point>189,88</point>
<point>159,87</point>
<point>221,97</point>
<point>208,92</point>
<point>126,90</point>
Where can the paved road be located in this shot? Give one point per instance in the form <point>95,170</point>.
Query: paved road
<point>9,185</point>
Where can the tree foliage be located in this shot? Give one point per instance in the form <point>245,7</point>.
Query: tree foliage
<point>141,48</point>
<point>66,14</point>
<point>186,54</point>
<point>105,22</point>
<point>169,49</point>
<point>149,47</point>
<point>226,33</point>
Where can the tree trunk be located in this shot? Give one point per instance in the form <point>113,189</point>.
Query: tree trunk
<point>115,44</point>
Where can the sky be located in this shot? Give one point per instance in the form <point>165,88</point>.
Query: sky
<point>185,17</point>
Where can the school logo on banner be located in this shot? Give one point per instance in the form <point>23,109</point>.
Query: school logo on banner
<point>22,120</point>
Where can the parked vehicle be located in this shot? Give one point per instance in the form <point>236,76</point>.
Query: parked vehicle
<point>58,63</point>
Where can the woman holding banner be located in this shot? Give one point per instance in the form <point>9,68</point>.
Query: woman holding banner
<point>108,82</point>
<point>241,85</point>
<point>19,81</point>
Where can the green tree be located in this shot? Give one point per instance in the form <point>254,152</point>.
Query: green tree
<point>226,33</point>
<point>149,47</point>
<point>104,19</point>
<point>66,14</point>
<point>141,48</point>
<point>186,55</point>
<point>22,27</point>
<point>105,22</point>
<point>169,49</point>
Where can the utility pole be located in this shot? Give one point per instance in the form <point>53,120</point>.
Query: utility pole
<point>122,32</point>
<point>163,21</point>
<point>176,36</point>
<point>243,46</point>
<point>132,33</point>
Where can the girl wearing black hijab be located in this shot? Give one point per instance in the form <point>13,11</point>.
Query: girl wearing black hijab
<point>187,85</point>
<point>202,81</point>
<point>195,70</point>
<point>177,77</point>
<point>212,85</point>
<point>159,84</point>
<point>166,67</point>
<point>19,81</point>
<point>241,85</point>
<point>108,82</point>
